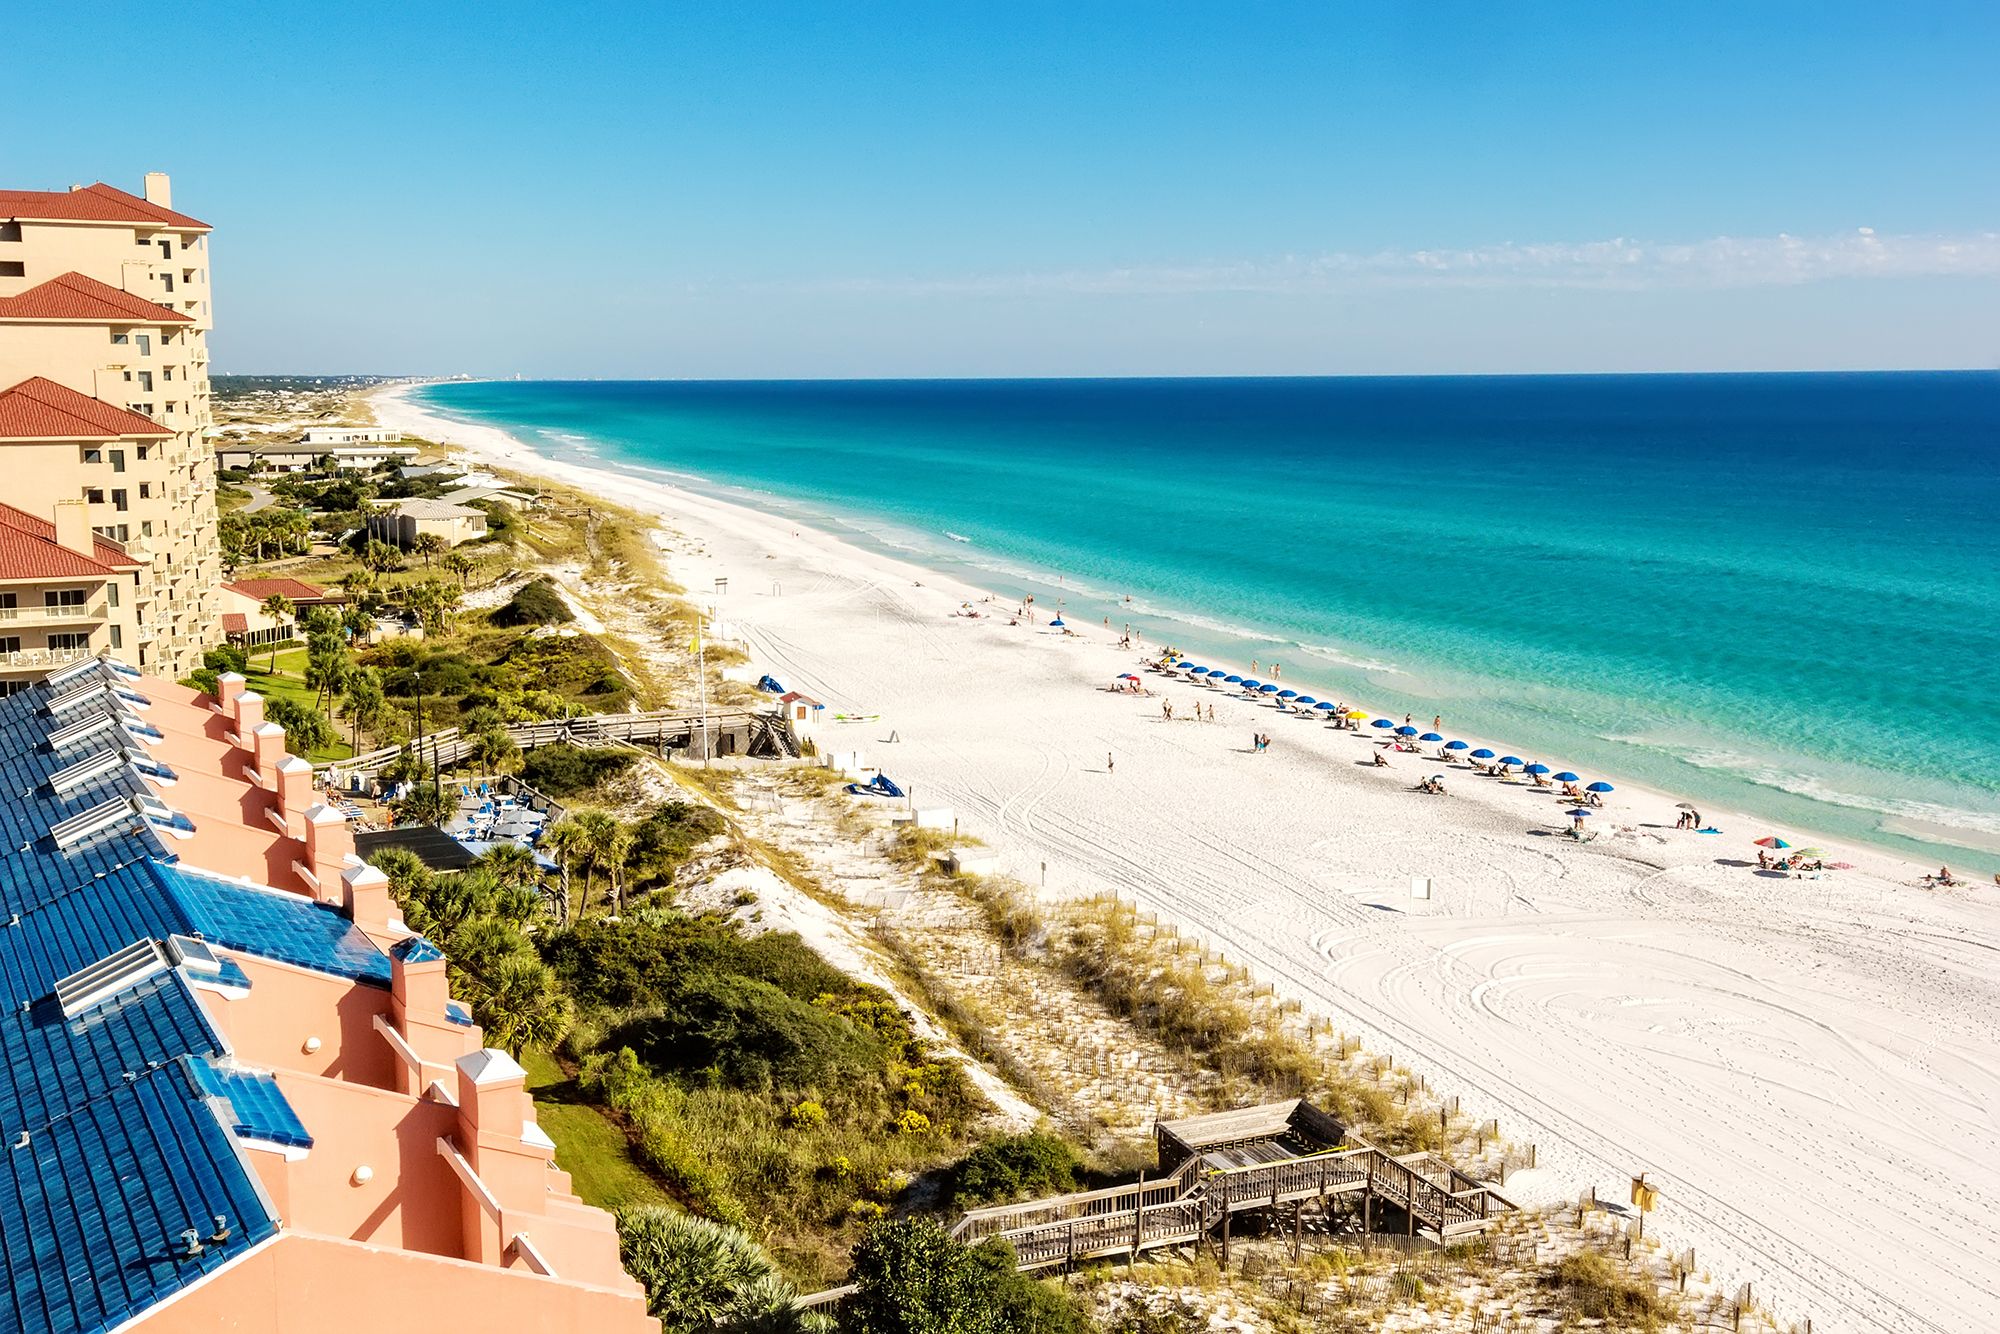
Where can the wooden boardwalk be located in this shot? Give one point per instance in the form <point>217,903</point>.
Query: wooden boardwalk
<point>728,732</point>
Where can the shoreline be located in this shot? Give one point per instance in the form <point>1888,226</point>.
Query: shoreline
<point>1792,1059</point>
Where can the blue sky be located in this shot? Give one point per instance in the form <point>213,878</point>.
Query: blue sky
<point>951,189</point>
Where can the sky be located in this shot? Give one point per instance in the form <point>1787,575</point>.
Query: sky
<point>950,189</point>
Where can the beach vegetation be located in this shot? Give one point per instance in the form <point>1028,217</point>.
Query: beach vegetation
<point>1591,1285</point>
<point>536,602</point>
<point>1015,1167</point>
<point>565,770</point>
<point>701,1275</point>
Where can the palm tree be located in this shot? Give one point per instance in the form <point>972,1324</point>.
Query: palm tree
<point>566,841</point>
<point>698,1275</point>
<point>328,669</point>
<point>277,608</point>
<point>494,751</point>
<point>359,622</point>
<point>524,1005</point>
<point>597,837</point>
<point>426,803</point>
<point>460,564</point>
<point>513,866</point>
<point>616,849</point>
<point>428,545</point>
<point>364,700</point>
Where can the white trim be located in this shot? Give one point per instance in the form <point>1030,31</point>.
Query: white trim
<point>536,1260</point>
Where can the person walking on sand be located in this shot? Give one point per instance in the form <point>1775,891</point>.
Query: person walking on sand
<point>1276,671</point>
<point>1109,767</point>
<point>1437,723</point>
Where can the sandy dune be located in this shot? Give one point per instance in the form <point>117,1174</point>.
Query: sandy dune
<point>1809,1069</point>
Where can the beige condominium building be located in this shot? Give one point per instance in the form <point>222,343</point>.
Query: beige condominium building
<point>104,399</point>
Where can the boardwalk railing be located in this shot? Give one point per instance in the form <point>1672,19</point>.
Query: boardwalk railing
<point>448,746</point>
<point>1437,1198</point>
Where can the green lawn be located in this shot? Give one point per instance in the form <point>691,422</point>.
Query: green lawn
<point>289,683</point>
<point>589,1146</point>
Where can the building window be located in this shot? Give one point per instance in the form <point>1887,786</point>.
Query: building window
<point>10,643</point>
<point>145,344</point>
<point>146,381</point>
<point>94,494</point>
<point>69,640</point>
<point>63,597</point>
<point>93,455</point>
<point>168,279</point>
<point>145,490</point>
<point>13,687</point>
<point>118,636</point>
<point>118,460</point>
<point>142,239</point>
<point>120,339</point>
<point>145,529</point>
<point>142,452</point>
<point>111,596</point>
<point>7,602</point>
<point>10,230</point>
<point>166,249</point>
<point>119,500</point>
<point>13,268</point>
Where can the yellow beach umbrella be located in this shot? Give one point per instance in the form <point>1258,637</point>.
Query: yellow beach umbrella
<point>1357,713</point>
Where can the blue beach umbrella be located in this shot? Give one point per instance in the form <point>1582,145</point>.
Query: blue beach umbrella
<point>1305,701</point>
<point>1406,730</point>
<point>1510,759</point>
<point>1058,621</point>
<point>1579,814</point>
<point>1430,736</point>
<point>1267,690</point>
<point>1251,683</point>
<point>1565,777</point>
<point>1381,722</point>
<point>1232,680</point>
<point>1454,745</point>
<point>1600,786</point>
<point>1538,768</point>
<point>1191,669</point>
<point>1329,706</point>
<point>1482,754</point>
<point>1288,694</point>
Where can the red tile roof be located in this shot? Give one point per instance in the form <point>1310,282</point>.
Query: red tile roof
<point>41,409</point>
<point>295,590</point>
<point>235,623</point>
<point>92,203</point>
<point>72,296</point>
<point>29,550</point>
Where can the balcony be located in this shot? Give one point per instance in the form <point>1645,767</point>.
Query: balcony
<point>32,659</point>
<point>16,616</point>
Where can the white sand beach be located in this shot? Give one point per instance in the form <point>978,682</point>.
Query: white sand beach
<point>1809,1069</point>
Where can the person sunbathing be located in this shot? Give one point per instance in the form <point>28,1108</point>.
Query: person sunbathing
<point>1539,780</point>
<point>1763,860</point>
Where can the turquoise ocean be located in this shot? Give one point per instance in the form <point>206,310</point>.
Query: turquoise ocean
<point>1772,593</point>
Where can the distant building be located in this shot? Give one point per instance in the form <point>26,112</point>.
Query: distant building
<point>244,620</point>
<point>288,456</point>
<point>237,1091</point>
<point>351,435</point>
<point>104,395</point>
<point>65,594</point>
<point>465,495</point>
<point>407,520</point>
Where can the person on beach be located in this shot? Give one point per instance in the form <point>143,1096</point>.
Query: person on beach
<point>1763,860</point>
<point>1406,720</point>
<point>1167,709</point>
<point>1211,712</point>
<point>1276,671</point>
<point>1109,767</point>
<point>1381,760</point>
<point>1437,723</point>
<point>1253,666</point>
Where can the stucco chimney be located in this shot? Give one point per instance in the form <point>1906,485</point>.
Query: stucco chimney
<point>364,897</point>
<point>295,792</point>
<point>72,522</point>
<point>159,189</point>
<point>228,687</point>
<point>492,1094</point>
<point>247,711</point>
<point>329,847</point>
<point>267,746</point>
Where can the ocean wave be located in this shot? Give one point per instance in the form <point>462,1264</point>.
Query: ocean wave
<point>1346,659</point>
<point>1762,773</point>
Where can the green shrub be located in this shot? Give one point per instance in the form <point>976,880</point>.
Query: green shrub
<point>752,1035</point>
<point>565,770</point>
<point>1593,1286</point>
<point>698,1275</point>
<point>1014,1168</point>
<point>534,603</point>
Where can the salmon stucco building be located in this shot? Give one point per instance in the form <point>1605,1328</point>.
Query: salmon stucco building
<point>239,1093</point>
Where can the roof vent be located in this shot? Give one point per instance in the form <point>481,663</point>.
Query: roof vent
<point>83,694</point>
<point>96,820</point>
<point>76,671</point>
<point>193,955</point>
<point>80,731</point>
<point>68,780</point>
<point>109,976</point>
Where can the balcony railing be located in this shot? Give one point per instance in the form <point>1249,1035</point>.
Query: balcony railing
<point>44,657</point>
<point>32,615</point>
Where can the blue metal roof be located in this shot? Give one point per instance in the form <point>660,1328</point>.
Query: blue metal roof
<point>257,1109</point>
<point>276,925</point>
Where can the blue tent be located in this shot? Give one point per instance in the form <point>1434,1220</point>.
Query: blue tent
<point>879,786</point>
<point>769,685</point>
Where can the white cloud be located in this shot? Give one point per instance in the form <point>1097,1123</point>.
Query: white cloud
<point>1617,264</point>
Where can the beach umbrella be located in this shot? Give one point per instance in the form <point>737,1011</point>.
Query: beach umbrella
<point>1510,759</point>
<point>1771,841</point>
<point>1288,694</point>
<point>1232,680</point>
<point>1357,713</point>
<point>1454,745</point>
<point>1381,722</point>
<point>1538,768</point>
<point>1191,669</point>
<point>1565,777</point>
<point>1058,622</point>
<point>1430,736</point>
<point>1267,690</point>
<point>1329,706</point>
<point>1305,701</point>
<point>1811,852</point>
<point>1406,730</point>
<point>1482,754</point>
<point>1683,805</point>
<point>1251,683</point>
<point>1600,786</point>
<point>1579,814</point>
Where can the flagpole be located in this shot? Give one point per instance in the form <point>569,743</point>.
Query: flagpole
<point>701,680</point>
